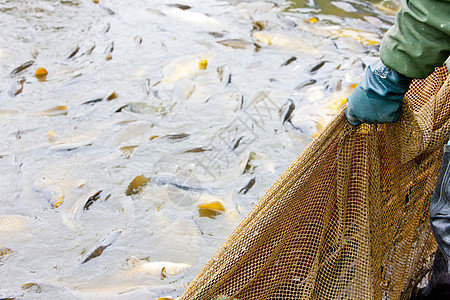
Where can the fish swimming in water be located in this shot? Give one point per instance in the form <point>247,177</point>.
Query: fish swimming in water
<point>13,222</point>
<point>236,43</point>
<point>137,185</point>
<point>248,186</point>
<point>182,67</point>
<point>193,17</point>
<point>184,183</point>
<point>160,268</point>
<point>17,87</point>
<point>60,110</point>
<point>21,68</point>
<point>98,249</point>
<point>4,252</point>
<point>285,41</point>
<point>51,191</point>
<point>287,110</point>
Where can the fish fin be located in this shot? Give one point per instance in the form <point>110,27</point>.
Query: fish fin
<point>134,260</point>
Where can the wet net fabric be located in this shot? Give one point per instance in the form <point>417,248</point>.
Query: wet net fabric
<point>348,219</point>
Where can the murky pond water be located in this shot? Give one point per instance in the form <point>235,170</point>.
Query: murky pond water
<point>205,103</point>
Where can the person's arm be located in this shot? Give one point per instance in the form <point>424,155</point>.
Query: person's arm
<point>418,42</point>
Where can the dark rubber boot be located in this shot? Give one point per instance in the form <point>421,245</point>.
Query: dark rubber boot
<point>439,285</point>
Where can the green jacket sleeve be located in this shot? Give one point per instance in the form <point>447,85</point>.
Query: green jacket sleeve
<point>419,41</point>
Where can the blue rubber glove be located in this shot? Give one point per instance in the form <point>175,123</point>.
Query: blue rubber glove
<point>379,97</point>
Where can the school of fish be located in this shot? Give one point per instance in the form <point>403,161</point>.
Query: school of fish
<point>135,138</point>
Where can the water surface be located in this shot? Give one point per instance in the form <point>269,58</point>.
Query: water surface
<point>127,94</point>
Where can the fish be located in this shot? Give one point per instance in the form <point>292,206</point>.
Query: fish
<point>60,110</point>
<point>180,6</point>
<point>364,37</point>
<point>344,6</point>
<point>108,10</point>
<point>177,136</point>
<point>54,195</point>
<point>155,12</point>
<point>224,74</point>
<point>192,17</point>
<point>258,10</point>
<point>21,68</point>
<point>90,50</point>
<point>197,150</point>
<point>259,25</point>
<point>16,88</point>
<point>286,41</point>
<point>286,110</point>
<point>133,134</point>
<point>184,88</point>
<point>289,61</point>
<point>137,40</point>
<point>128,150</point>
<point>216,34</point>
<point>110,48</point>
<point>236,43</point>
<point>159,268</point>
<point>184,183</point>
<point>182,67</point>
<point>147,86</point>
<point>249,168</point>
<point>387,10</point>
<point>137,185</point>
<point>10,223</point>
<point>374,21</point>
<point>121,108</point>
<point>210,205</point>
<point>34,286</point>
<point>51,136</point>
<point>91,200</point>
<point>308,125</point>
<point>211,209</point>
<point>335,102</point>
<point>248,186</point>
<point>82,203</point>
<point>305,84</point>
<point>112,96</point>
<point>51,192</point>
<point>236,143</point>
<point>143,108</point>
<point>4,252</point>
<point>74,52</point>
<point>107,28</point>
<point>5,112</point>
<point>315,68</point>
<point>93,101</point>
<point>361,36</point>
<point>80,140</point>
<point>98,249</point>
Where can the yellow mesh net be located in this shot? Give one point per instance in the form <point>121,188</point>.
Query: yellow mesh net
<point>348,219</point>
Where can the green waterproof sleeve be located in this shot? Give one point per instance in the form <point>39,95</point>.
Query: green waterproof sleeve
<point>419,41</point>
